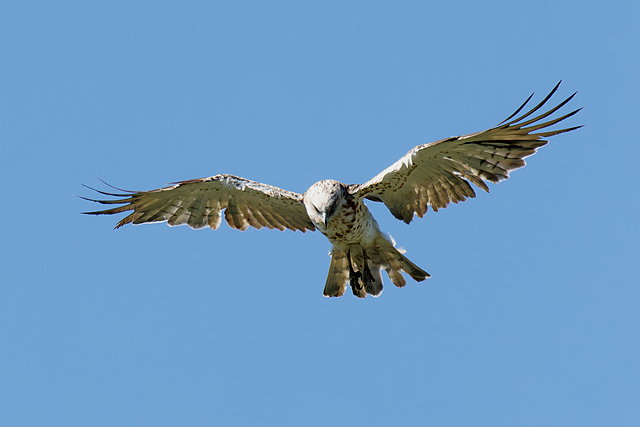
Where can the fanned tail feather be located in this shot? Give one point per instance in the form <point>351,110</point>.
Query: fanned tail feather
<point>397,262</point>
<point>382,255</point>
<point>338,274</point>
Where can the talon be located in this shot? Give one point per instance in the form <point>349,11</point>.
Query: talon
<point>368,277</point>
<point>354,278</point>
<point>354,281</point>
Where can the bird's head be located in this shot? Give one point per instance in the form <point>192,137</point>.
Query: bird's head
<point>323,199</point>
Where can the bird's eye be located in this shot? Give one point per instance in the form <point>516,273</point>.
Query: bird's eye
<point>332,208</point>
<point>316,209</point>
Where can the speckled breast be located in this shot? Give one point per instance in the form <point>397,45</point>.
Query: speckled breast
<point>351,224</point>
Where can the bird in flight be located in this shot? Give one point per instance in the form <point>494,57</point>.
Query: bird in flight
<point>429,175</point>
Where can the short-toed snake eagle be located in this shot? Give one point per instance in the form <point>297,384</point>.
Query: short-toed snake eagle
<point>433,174</point>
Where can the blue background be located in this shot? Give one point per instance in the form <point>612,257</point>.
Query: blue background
<point>531,317</point>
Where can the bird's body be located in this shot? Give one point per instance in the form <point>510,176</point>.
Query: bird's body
<point>429,175</point>
<point>359,249</point>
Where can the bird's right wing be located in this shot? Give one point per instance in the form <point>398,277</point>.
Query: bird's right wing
<point>441,172</point>
<point>199,203</point>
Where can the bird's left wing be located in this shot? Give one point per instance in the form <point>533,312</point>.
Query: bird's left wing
<point>199,203</point>
<point>440,172</point>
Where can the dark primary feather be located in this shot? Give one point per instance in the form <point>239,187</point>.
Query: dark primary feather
<point>441,172</point>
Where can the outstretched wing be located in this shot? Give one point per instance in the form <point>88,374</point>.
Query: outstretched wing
<point>199,203</point>
<point>440,172</point>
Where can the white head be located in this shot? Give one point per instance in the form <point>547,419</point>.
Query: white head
<point>323,199</point>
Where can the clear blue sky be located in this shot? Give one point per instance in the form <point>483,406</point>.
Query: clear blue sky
<point>531,317</point>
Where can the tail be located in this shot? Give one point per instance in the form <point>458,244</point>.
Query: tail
<point>338,274</point>
<point>394,262</point>
<point>361,267</point>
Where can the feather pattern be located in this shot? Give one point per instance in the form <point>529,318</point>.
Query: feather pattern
<point>441,172</point>
<point>199,203</point>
